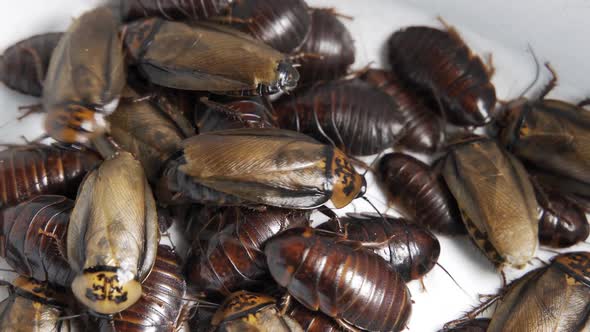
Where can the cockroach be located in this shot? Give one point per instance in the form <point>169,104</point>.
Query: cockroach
<point>496,200</point>
<point>327,52</point>
<point>33,239</point>
<point>312,321</point>
<point>232,259</point>
<point>85,78</point>
<point>244,311</point>
<point>23,65</point>
<point>201,321</point>
<point>171,9</point>
<point>354,286</point>
<point>112,235</point>
<point>243,113</point>
<point>164,304</point>
<point>555,297</point>
<point>33,306</point>
<point>423,131</point>
<point>409,248</point>
<point>206,57</point>
<point>30,170</point>
<point>351,114</point>
<point>473,325</point>
<point>420,193</point>
<point>257,166</point>
<point>282,25</point>
<point>442,66</point>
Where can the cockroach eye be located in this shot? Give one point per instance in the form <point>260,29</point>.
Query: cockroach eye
<point>288,76</point>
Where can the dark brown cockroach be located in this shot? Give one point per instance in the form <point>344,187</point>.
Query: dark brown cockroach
<point>473,325</point>
<point>243,113</point>
<point>555,297</point>
<point>420,193</point>
<point>352,285</point>
<point>113,235</point>
<point>312,321</point>
<point>207,57</point>
<point>351,114</point>
<point>33,306</point>
<point>31,170</point>
<point>260,166</point>
<point>232,259</point>
<point>423,129</point>
<point>282,25</point>
<point>23,65</point>
<point>171,9</point>
<point>164,304</point>
<point>327,52</point>
<point>496,200</point>
<point>244,311</point>
<point>85,78</point>
<point>33,239</point>
<point>440,64</point>
<point>410,249</point>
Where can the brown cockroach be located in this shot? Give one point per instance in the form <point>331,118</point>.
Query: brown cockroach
<point>207,57</point>
<point>409,248</point>
<point>473,325</point>
<point>312,321</point>
<point>33,306</point>
<point>354,286</point>
<point>171,9</point>
<point>232,259</point>
<point>164,304</point>
<point>244,311</point>
<point>242,113</point>
<point>260,166</point>
<point>23,65</point>
<point>496,200</point>
<point>555,297</point>
<point>33,239</point>
<point>420,193</point>
<point>85,78</point>
<point>441,65</point>
<point>282,25</point>
<point>112,235</point>
<point>351,114</point>
<point>327,52</point>
<point>30,170</point>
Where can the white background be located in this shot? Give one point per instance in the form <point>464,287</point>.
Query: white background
<point>557,30</point>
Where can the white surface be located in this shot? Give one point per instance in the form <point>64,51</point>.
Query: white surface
<point>557,31</point>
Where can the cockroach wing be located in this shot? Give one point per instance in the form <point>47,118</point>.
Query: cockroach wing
<point>78,225</point>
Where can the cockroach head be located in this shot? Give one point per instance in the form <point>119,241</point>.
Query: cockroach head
<point>288,76</point>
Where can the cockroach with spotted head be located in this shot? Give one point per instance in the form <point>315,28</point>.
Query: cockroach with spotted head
<point>31,170</point>
<point>192,10</point>
<point>440,64</point>
<point>232,259</point>
<point>23,65</point>
<point>260,166</point>
<point>354,286</point>
<point>85,78</point>
<point>112,235</point>
<point>207,57</point>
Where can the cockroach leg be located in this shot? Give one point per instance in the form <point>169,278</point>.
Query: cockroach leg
<point>27,110</point>
<point>285,303</point>
<point>58,242</point>
<point>491,69</point>
<point>552,82</point>
<point>472,314</point>
<point>304,55</point>
<point>584,102</point>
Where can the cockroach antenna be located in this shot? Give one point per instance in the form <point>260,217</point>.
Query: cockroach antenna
<point>453,279</point>
<point>537,72</point>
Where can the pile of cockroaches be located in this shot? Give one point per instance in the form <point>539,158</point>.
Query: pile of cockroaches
<point>161,113</point>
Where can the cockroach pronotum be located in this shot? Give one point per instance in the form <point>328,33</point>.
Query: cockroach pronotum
<point>418,192</point>
<point>440,64</point>
<point>164,304</point>
<point>85,78</point>
<point>260,166</point>
<point>496,200</point>
<point>112,235</point>
<point>312,321</point>
<point>232,259</point>
<point>356,287</point>
<point>244,311</point>
<point>33,239</point>
<point>33,306</point>
<point>31,170</point>
<point>351,114</point>
<point>409,248</point>
<point>473,325</point>
<point>243,113</point>
<point>282,25</point>
<point>207,57</point>
<point>327,52</point>
<point>171,9</point>
<point>23,65</point>
<point>555,297</point>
